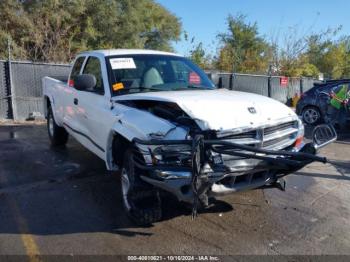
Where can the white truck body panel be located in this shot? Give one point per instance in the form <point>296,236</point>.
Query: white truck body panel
<point>97,117</point>
<point>222,109</point>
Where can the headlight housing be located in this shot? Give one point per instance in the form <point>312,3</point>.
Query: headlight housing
<point>172,154</point>
<point>301,128</point>
<point>299,142</point>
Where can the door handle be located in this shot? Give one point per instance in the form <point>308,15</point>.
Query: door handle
<point>75,101</point>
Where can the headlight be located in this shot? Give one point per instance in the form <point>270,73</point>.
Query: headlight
<point>171,154</point>
<point>168,149</point>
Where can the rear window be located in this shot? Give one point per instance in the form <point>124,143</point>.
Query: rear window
<point>76,69</point>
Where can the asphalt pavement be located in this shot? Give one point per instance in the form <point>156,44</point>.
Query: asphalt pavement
<point>64,202</point>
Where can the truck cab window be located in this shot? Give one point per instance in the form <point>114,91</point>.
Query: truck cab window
<point>93,67</point>
<point>76,69</point>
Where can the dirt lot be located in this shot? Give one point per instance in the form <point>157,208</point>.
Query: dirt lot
<point>65,202</point>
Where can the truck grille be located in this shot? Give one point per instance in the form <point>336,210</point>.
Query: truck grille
<point>273,137</point>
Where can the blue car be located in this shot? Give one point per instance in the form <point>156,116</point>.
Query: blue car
<point>313,104</point>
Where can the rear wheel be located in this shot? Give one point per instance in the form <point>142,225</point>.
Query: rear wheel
<point>58,135</point>
<point>311,115</point>
<point>141,201</point>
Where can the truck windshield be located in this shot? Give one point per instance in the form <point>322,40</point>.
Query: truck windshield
<point>146,73</point>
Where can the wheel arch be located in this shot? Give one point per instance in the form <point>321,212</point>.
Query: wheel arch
<point>121,135</point>
<point>47,103</point>
<point>117,145</point>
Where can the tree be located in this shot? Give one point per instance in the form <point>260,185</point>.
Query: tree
<point>309,54</point>
<point>13,25</point>
<point>329,56</point>
<point>55,30</point>
<point>242,49</point>
<point>199,56</point>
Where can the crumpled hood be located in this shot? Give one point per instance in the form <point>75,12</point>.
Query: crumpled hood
<point>222,109</point>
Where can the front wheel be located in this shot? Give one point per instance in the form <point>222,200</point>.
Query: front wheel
<point>141,201</point>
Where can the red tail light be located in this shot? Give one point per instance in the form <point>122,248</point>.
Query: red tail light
<point>71,82</point>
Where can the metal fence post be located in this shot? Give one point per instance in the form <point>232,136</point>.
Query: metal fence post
<point>13,108</point>
<point>301,85</point>
<point>7,90</point>
<point>269,86</point>
<point>231,82</point>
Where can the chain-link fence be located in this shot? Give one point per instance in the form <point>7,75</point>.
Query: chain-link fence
<point>21,90</point>
<point>27,90</point>
<point>4,98</point>
<point>264,85</point>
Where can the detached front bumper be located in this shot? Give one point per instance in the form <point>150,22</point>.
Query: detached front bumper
<point>215,167</point>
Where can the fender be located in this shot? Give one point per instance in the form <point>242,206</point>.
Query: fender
<point>47,97</point>
<point>117,129</point>
<point>54,112</point>
<point>134,123</point>
<point>52,103</point>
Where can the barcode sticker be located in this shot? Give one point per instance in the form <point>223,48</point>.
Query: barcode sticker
<point>122,63</point>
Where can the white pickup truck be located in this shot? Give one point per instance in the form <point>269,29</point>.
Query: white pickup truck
<point>157,119</point>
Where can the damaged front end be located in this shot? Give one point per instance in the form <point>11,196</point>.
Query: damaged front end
<point>200,167</point>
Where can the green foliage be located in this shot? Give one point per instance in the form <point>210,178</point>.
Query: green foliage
<point>243,50</point>
<point>199,56</point>
<point>13,26</point>
<point>55,30</point>
<point>301,69</point>
<point>331,59</point>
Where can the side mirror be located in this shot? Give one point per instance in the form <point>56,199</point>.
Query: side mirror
<point>323,135</point>
<point>84,82</point>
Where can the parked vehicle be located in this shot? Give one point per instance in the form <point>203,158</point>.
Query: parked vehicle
<point>159,120</point>
<point>313,104</point>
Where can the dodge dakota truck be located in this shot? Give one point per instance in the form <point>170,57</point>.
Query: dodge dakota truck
<point>159,121</point>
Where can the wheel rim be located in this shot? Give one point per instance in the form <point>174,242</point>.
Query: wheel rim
<point>51,126</point>
<point>125,188</point>
<point>311,116</point>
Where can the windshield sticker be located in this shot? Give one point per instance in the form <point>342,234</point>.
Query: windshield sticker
<point>194,78</point>
<point>117,86</point>
<point>122,63</point>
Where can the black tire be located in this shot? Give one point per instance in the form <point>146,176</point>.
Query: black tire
<point>311,115</point>
<point>141,201</point>
<point>58,135</point>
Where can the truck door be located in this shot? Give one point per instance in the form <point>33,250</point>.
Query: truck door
<point>92,111</point>
<point>68,96</point>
